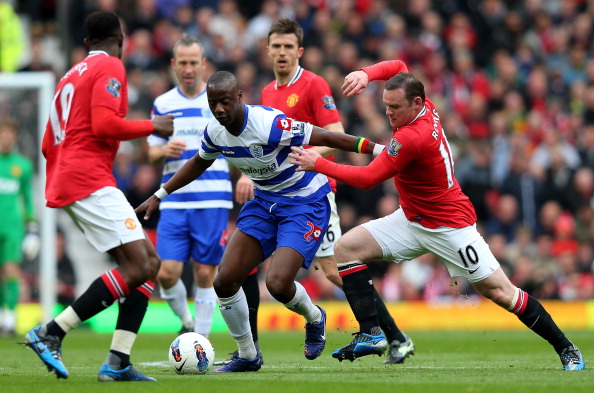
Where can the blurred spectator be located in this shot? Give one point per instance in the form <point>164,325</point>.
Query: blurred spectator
<point>11,38</point>
<point>505,218</point>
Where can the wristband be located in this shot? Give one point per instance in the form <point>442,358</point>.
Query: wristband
<point>378,148</point>
<point>361,144</point>
<point>161,193</point>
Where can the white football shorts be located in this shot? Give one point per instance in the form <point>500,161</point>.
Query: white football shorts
<point>106,218</point>
<point>463,251</point>
<point>333,233</point>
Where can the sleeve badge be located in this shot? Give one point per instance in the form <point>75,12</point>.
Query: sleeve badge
<point>113,87</point>
<point>393,147</point>
<point>329,102</point>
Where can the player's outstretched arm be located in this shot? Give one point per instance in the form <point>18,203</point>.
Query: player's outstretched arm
<point>106,123</point>
<point>355,83</point>
<point>191,170</point>
<point>365,177</point>
<point>341,141</point>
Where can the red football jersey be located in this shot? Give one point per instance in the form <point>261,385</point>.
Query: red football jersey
<point>307,97</point>
<point>78,162</point>
<point>420,160</point>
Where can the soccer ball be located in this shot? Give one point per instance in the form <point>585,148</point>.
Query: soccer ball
<point>191,353</point>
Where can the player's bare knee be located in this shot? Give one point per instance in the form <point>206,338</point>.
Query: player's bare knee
<point>279,289</point>
<point>225,287</point>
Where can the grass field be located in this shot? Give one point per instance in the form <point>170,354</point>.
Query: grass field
<point>470,361</point>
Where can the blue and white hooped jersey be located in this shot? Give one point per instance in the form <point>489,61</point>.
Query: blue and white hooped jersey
<point>261,152</point>
<point>212,189</point>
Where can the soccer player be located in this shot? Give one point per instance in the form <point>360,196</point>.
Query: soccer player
<point>80,142</point>
<point>286,220</point>
<point>193,221</point>
<point>434,215</point>
<point>303,95</point>
<point>18,218</point>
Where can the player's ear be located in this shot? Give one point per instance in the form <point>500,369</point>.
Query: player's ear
<point>300,52</point>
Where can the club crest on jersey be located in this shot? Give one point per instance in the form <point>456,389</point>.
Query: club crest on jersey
<point>292,100</point>
<point>314,232</point>
<point>16,171</point>
<point>113,87</point>
<point>256,151</point>
<point>329,102</point>
<point>393,147</point>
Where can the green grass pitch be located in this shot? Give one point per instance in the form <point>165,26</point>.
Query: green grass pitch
<point>463,361</point>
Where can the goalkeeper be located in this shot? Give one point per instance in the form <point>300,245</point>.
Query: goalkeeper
<point>16,205</point>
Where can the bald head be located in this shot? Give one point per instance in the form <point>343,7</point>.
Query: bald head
<point>222,80</point>
<point>224,101</point>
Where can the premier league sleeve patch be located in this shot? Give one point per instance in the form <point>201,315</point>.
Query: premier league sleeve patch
<point>393,147</point>
<point>329,102</point>
<point>113,87</point>
<point>298,128</point>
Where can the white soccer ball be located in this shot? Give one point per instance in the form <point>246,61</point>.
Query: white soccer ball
<point>191,353</point>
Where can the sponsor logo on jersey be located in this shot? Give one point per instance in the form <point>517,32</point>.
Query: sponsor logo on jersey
<point>292,100</point>
<point>314,232</point>
<point>130,223</point>
<point>329,102</point>
<point>256,151</point>
<point>259,171</point>
<point>9,186</point>
<point>113,87</point>
<point>393,147</point>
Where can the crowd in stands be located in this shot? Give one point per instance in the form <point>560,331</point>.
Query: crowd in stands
<point>513,82</point>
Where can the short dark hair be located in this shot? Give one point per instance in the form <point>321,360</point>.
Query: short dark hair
<point>187,40</point>
<point>223,77</point>
<point>10,123</point>
<point>102,25</point>
<point>287,26</point>
<point>407,81</point>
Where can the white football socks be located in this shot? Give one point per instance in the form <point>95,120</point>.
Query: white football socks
<point>235,312</point>
<point>205,300</point>
<point>177,298</point>
<point>302,305</point>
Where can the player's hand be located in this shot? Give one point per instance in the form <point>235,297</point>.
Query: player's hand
<point>148,206</point>
<point>305,158</point>
<point>174,148</point>
<point>355,83</point>
<point>163,125</point>
<point>244,190</point>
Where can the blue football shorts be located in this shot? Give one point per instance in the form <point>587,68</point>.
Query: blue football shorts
<point>300,227</point>
<point>197,233</point>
